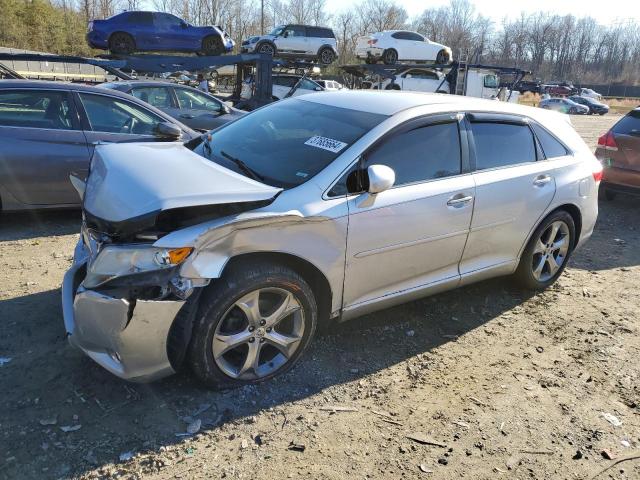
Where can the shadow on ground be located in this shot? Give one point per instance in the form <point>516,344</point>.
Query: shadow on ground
<point>39,223</point>
<point>48,380</point>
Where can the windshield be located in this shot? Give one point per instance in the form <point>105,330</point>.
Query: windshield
<point>286,143</point>
<point>278,30</point>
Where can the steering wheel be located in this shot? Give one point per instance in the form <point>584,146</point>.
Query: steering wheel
<point>129,125</point>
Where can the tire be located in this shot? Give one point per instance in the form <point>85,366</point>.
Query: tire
<point>442,57</point>
<point>220,316</point>
<point>326,56</point>
<point>369,61</point>
<point>606,194</point>
<point>212,45</point>
<point>392,86</point>
<point>390,56</point>
<point>535,257</point>
<point>266,48</point>
<point>602,113</point>
<point>122,43</point>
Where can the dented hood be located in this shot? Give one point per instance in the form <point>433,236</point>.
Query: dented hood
<point>129,180</point>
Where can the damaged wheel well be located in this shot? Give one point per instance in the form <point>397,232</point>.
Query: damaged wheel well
<point>312,275</point>
<point>180,333</point>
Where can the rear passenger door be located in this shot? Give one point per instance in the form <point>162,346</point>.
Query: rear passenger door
<point>514,187</point>
<point>411,236</point>
<point>41,143</point>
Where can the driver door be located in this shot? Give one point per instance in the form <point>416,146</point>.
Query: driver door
<point>293,40</point>
<point>112,119</point>
<point>410,239</point>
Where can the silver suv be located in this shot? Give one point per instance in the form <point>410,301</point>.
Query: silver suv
<point>296,41</point>
<point>225,254</point>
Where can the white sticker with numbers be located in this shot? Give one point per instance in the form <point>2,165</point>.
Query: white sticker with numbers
<point>326,143</point>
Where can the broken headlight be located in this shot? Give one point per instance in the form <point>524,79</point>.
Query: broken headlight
<point>119,260</point>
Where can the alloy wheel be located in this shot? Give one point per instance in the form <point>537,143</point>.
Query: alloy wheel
<point>550,251</point>
<point>266,48</point>
<point>326,56</point>
<point>259,333</point>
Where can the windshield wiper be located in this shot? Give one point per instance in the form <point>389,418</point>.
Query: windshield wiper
<point>243,166</point>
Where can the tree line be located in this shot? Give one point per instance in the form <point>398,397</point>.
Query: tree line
<point>553,47</point>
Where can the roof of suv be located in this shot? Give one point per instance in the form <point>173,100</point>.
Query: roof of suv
<point>392,102</point>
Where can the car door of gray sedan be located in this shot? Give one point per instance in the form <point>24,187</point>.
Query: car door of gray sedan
<point>411,237</point>
<point>41,143</point>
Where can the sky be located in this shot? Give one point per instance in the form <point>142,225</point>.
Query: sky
<point>606,12</point>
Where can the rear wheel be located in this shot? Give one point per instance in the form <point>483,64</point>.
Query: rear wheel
<point>442,57</point>
<point>606,194</point>
<point>252,324</point>
<point>326,56</point>
<point>121,43</point>
<point>212,45</point>
<point>390,56</point>
<point>548,251</point>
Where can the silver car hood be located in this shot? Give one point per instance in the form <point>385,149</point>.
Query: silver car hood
<point>128,180</point>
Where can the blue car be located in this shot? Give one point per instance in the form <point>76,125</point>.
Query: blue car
<point>129,32</point>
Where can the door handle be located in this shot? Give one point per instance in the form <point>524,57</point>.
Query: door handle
<point>541,180</point>
<point>459,200</point>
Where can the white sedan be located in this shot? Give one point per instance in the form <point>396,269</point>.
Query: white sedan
<point>392,46</point>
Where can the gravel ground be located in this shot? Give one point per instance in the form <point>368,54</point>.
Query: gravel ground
<point>489,381</point>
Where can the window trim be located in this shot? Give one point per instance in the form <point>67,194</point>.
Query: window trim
<point>86,124</point>
<point>406,126</point>
<point>76,123</point>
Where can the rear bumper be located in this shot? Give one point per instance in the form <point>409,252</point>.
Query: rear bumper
<point>369,52</point>
<point>127,338</point>
<point>621,179</point>
<point>97,40</point>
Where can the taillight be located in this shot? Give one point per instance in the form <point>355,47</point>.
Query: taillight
<point>372,41</point>
<point>608,142</point>
<point>597,171</point>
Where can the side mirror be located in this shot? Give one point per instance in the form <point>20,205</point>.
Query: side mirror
<point>318,89</point>
<point>224,109</point>
<point>285,34</point>
<point>381,178</point>
<point>184,24</point>
<point>168,131</point>
<point>408,75</point>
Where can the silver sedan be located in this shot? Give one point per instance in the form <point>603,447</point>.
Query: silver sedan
<point>227,253</point>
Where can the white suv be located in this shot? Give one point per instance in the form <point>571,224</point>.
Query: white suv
<point>296,41</point>
<point>392,46</point>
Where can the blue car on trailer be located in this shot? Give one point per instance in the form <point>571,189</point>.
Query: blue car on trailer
<point>136,31</point>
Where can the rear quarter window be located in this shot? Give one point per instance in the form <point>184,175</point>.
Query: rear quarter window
<point>551,146</point>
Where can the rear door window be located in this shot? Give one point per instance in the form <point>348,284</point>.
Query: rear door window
<point>140,18</point>
<point>49,109</point>
<point>421,154</point>
<point>629,124</point>
<point>502,144</point>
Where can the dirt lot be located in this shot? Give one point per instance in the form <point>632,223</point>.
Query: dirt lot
<point>500,383</point>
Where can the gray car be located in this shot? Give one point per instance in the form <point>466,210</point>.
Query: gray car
<point>564,105</point>
<point>48,130</point>
<point>195,108</point>
<point>325,206</point>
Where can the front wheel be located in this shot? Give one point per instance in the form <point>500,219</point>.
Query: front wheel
<point>212,45</point>
<point>252,324</point>
<point>548,251</point>
<point>267,48</point>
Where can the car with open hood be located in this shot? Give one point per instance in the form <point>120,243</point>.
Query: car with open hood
<point>227,253</point>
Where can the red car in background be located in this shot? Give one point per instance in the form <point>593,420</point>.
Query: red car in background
<point>619,152</point>
<point>558,90</point>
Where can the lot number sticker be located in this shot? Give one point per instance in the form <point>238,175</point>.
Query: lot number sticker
<point>326,143</point>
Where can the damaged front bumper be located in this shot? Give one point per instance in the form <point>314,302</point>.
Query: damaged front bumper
<point>129,338</point>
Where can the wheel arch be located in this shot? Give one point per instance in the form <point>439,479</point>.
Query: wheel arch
<point>116,32</point>
<point>327,45</point>
<point>262,42</point>
<point>312,275</point>
<point>571,209</point>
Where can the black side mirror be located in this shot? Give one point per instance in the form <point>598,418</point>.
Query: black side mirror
<point>184,24</point>
<point>168,131</point>
<point>285,34</point>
